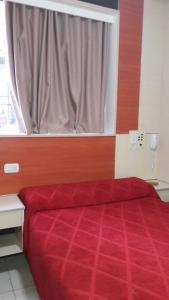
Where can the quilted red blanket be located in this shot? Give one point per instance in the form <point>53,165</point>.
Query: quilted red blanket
<point>98,241</point>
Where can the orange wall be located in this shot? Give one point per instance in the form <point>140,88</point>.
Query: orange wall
<point>131,21</point>
<point>52,160</point>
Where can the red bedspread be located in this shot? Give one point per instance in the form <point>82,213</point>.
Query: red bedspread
<point>108,251</point>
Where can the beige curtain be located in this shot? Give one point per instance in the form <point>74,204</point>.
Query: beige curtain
<point>58,66</point>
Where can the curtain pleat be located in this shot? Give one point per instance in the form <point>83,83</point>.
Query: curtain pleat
<point>58,66</point>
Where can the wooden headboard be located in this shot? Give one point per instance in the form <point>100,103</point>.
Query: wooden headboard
<point>54,160</point>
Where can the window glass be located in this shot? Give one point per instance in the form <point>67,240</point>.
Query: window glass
<point>8,122</point>
<point>107,3</point>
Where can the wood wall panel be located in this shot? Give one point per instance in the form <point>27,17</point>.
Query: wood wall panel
<point>131,19</point>
<point>55,160</point>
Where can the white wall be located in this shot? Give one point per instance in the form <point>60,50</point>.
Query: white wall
<point>153,47</point>
<point>138,163</point>
<point>163,151</point>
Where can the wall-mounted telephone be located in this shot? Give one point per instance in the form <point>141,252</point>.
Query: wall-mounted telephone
<point>153,142</point>
<point>136,139</point>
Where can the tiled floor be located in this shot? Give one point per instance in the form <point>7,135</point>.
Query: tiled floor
<point>16,282</point>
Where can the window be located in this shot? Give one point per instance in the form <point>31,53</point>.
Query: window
<point>8,122</point>
<point>106,3</point>
<point>27,63</point>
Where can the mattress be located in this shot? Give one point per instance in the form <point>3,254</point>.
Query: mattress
<point>113,248</point>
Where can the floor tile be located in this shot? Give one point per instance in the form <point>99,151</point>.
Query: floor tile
<point>16,282</point>
<point>3,266</point>
<point>21,278</point>
<point>7,296</point>
<point>5,283</point>
<point>27,294</point>
<point>16,261</point>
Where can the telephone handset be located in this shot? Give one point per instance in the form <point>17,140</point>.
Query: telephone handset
<point>153,142</point>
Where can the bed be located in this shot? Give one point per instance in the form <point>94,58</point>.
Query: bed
<point>104,240</point>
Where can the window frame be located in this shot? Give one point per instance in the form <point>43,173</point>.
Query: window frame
<point>94,12</point>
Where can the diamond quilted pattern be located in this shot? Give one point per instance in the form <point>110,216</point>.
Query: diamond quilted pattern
<point>139,294</point>
<point>112,266</point>
<point>110,249</point>
<point>113,251</point>
<point>150,262</point>
<point>85,239</point>
<point>80,276</point>
<point>82,256</point>
<point>149,281</point>
<point>95,260</point>
<point>110,288</point>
